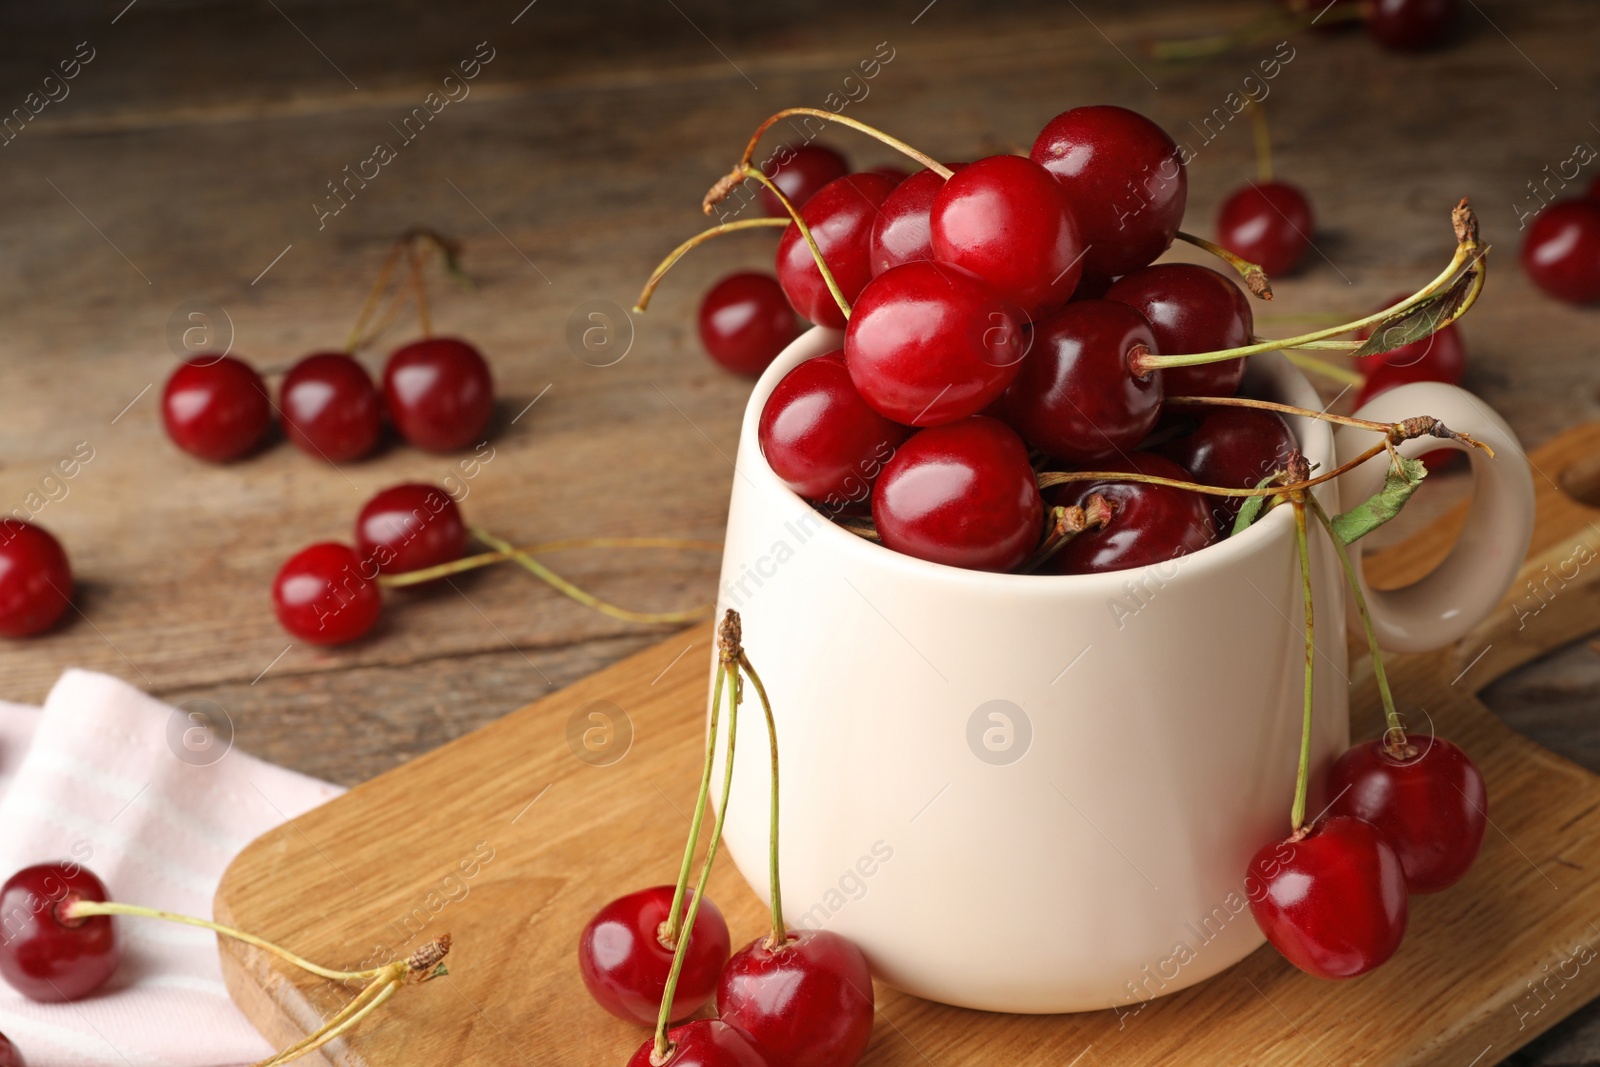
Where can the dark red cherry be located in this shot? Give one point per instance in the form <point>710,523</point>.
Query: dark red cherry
<point>902,231</point>
<point>9,1056</point>
<point>1440,357</point>
<point>799,172</point>
<point>1149,523</point>
<point>929,343</point>
<point>1408,25</point>
<point>1233,448</point>
<point>1429,803</point>
<point>1007,220</point>
<point>840,217</point>
<point>1125,180</point>
<point>1562,251</point>
<point>439,393</point>
<point>1076,398</point>
<point>35,579</point>
<point>1594,189</point>
<point>898,174</point>
<point>45,957</point>
<point>325,594</point>
<point>410,526</point>
<point>625,965</point>
<point>1191,309</point>
<point>216,408</point>
<point>962,494</point>
<point>330,407</point>
<point>702,1043</point>
<point>745,321</point>
<point>1269,224</point>
<point>821,438</point>
<point>1333,902</point>
<point>807,1003</point>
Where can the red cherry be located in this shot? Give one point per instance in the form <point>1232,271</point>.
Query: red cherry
<point>325,594</point>
<point>902,231</point>
<point>439,393</point>
<point>625,965</point>
<point>1430,805</point>
<point>1125,181</point>
<point>35,579</point>
<point>930,343</point>
<point>821,438</point>
<point>1440,357</point>
<point>1594,189</point>
<point>799,172</point>
<point>840,217</point>
<point>1333,902</point>
<point>410,526</point>
<point>1269,224</point>
<point>745,321</point>
<point>1191,309</point>
<point>216,408</point>
<point>1233,448</point>
<point>1076,397</point>
<point>44,957</point>
<point>1007,220</point>
<point>702,1043</point>
<point>808,1003</point>
<point>9,1056</point>
<point>1408,25</point>
<point>1562,251</point>
<point>1149,523</point>
<point>330,407</point>
<point>961,494</point>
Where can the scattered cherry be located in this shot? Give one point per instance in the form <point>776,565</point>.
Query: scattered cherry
<point>840,218</point>
<point>821,438</point>
<point>216,408</point>
<point>902,231</point>
<point>1234,448</point>
<point>35,579</point>
<point>1562,251</point>
<point>1333,902</point>
<point>439,393</point>
<point>1409,25</point>
<point>1428,801</point>
<point>410,526</point>
<point>1267,223</point>
<point>806,1003</point>
<point>1149,523</point>
<point>625,965</point>
<point>745,321</point>
<point>800,172</point>
<point>44,957</point>
<point>9,1056</point>
<point>330,407</point>
<point>325,594</point>
<point>1191,309</point>
<point>702,1043</point>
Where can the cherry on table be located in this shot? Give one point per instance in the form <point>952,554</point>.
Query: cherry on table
<point>410,526</point>
<point>702,1043</point>
<point>745,321</point>
<point>330,407</point>
<point>1409,25</point>
<point>1149,523</point>
<point>1562,251</point>
<point>821,438</point>
<point>625,965</point>
<point>902,232</point>
<point>216,408</point>
<point>799,172</point>
<point>35,579</point>
<point>1191,309</point>
<point>1269,224</point>
<point>840,218</point>
<point>325,594</point>
<point>47,958</point>
<point>439,393</point>
<point>1233,448</point>
<point>9,1056</point>
<point>806,1003</point>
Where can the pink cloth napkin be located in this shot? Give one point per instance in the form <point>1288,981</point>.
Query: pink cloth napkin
<point>122,783</point>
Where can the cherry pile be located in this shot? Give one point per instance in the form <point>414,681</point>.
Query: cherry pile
<point>1561,252</point>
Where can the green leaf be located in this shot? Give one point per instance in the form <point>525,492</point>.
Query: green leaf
<point>1251,510</point>
<point>1419,322</point>
<point>1382,506</point>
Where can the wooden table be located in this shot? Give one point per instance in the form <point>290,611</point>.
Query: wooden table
<point>184,168</point>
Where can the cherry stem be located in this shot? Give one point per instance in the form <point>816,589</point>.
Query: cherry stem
<point>780,932</point>
<point>420,286</point>
<point>353,341</point>
<point>489,559</point>
<point>367,1002</point>
<point>1297,815</point>
<point>1287,409</point>
<point>1053,478</point>
<point>811,242</point>
<point>696,241</point>
<point>409,244</point>
<point>1255,279</point>
<point>1065,523</point>
<point>1324,368</point>
<point>671,929</point>
<point>1258,123</point>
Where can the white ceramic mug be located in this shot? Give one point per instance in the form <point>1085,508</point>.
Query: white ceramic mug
<point>1032,793</point>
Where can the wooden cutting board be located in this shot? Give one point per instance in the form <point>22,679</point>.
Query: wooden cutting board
<point>510,841</point>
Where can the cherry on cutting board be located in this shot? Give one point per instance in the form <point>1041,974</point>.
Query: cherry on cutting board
<point>840,218</point>
<point>1191,309</point>
<point>410,526</point>
<point>1269,223</point>
<point>805,1003</point>
<point>625,965</point>
<point>1150,523</point>
<point>325,594</point>
<point>1562,251</point>
<point>745,321</point>
<point>216,408</point>
<point>330,407</point>
<point>821,438</point>
<point>35,579</point>
<point>799,172</point>
<point>439,393</point>
<point>44,957</point>
<point>702,1043</point>
<point>1234,448</point>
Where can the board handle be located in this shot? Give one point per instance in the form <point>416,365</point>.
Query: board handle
<point>1441,607</point>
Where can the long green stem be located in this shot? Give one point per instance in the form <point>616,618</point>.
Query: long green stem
<point>370,1000</point>
<point>1328,370</point>
<point>780,932</point>
<point>1053,478</point>
<point>583,596</point>
<point>671,929</point>
<point>1297,815</point>
<point>805,231</point>
<point>694,242</point>
<point>1284,409</point>
<point>488,559</point>
<point>719,191</point>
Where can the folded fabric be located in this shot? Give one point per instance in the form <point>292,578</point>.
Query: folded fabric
<point>156,804</point>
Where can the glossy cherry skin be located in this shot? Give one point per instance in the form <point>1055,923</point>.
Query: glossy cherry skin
<point>902,232</point>
<point>35,579</point>
<point>9,1056</point>
<point>1334,902</point>
<point>799,172</point>
<point>1562,251</point>
<point>821,438</point>
<point>1076,398</point>
<point>1408,25</point>
<point>1007,220</point>
<point>962,494</point>
<point>1149,523</point>
<point>1233,448</point>
<point>806,1004</point>
<point>410,526</point>
<point>625,965</point>
<point>929,343</point>
<point>1430,805</point>
<point>216,408</point>
<point>330,407</point>
<point>1125,180</point>
<point>702,1043</point>
<point>1191,309</point>
<point>840,216</point>
<point>439,393</point>
<point>745,321</point>
<point>1269,224</point>
<point>1440,357</point>
<point>44,957</point>
<point>325,594</point>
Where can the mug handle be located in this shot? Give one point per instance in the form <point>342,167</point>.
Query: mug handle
<point>1443,606</point>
